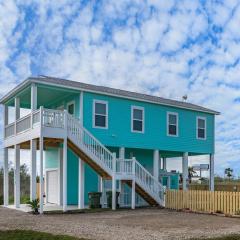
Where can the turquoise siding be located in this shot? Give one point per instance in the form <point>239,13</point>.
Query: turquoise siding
<point>51,156</point>
<point>139,145</point>
<point>155,135</point>
<point>91,178</point>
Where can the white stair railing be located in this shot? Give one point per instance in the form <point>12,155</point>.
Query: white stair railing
<point>149,183</point>
<point>123,166</point>
<point>84,138</point>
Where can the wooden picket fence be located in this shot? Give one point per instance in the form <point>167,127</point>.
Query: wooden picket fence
<point>204,201</point>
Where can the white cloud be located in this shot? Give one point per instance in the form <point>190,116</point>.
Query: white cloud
<point>168,48</point>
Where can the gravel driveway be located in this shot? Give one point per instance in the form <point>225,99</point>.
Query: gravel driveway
<point>141,224</point>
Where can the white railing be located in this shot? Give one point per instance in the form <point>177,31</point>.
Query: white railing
<point>89,142</point>
<point>149,182</point>
<point>124,166</point>
<point>23,124</point>
<point>35,117</point>
<point>9,130</point>
<point>53,118</point>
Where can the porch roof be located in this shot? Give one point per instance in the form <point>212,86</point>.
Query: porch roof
<point>103,90</point>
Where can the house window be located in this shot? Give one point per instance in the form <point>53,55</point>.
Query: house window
<point>172,124</point>
<point>100,114</point>
<point>201,128</point>
<point>137,119</point>
<point>71,108</point>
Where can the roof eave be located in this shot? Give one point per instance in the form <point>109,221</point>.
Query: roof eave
<point>14,91</point>
<point>29,80</point>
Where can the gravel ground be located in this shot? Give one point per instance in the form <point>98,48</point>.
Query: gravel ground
<point>141,224</point>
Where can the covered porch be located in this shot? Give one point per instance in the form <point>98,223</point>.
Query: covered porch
<point>22,116</point>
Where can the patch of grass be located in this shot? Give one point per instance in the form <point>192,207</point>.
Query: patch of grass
<point>227,237</point>
<point>32,235</point>
<point>24,199</point>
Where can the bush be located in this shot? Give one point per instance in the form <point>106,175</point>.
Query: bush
<point>1,199</point>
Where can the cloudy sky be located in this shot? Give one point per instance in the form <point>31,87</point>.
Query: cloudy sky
<point>166,48</point>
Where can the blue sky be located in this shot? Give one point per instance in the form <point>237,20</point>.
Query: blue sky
<point>166,48</point>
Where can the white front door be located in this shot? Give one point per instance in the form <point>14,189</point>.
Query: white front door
<point>52,186</point>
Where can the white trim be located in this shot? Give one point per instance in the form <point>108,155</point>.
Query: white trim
<point>133,107</point>
<point>168,134</point>
<point>205,128</point>
<point>93,113</point>
<point>74,107</point>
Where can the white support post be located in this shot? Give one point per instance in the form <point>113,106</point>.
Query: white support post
<point>60,176</point>
<point>41,147</point>
<point>165,163</point>
<point>122,152</point>
<point>81,183</point>
<point>121,185</point>
<point>5,182</point>
<point>17,177</point>
<point>65,164</point>
<point>211,180</point>
<point>33,96</point>
<point>65,175</point>
<point>169,182</point>
<point>17,112</point>
<point>156,164</point>
<point>185,170</point>
<point>133,202</point>
<point>5,118</point>
<point>114,183</point>
<point>41,174</point>
<point>33,182</point>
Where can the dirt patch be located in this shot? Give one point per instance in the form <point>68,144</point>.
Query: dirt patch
<point>141,224</point>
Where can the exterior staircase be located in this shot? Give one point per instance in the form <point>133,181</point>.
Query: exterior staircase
<point>94,153</point>
<point>56,125</point>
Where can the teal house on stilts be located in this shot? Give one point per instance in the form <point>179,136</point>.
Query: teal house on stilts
<point>94,138</point>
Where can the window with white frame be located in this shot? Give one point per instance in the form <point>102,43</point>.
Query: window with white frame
<point>137,119</point>
<point>172,124</point>
<point>100,118</point>
<point>201,128</point>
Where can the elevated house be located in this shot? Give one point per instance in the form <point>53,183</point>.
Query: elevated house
<point>95,138</point>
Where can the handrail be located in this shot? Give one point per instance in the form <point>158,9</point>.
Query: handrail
<point>152,184</point>
<point>89,141</point>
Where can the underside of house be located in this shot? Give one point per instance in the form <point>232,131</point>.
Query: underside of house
<point>76,158</point>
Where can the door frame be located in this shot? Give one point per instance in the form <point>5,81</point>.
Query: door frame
<point>47,170</point>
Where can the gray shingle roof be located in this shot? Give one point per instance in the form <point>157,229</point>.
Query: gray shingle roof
<point>108,91</point>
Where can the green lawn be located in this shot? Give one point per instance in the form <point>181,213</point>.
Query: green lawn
<point>227,237</point>
<point>31,235</point>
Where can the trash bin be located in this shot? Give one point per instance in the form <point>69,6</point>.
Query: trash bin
<point>94,199</point>
<point>109,199</point>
